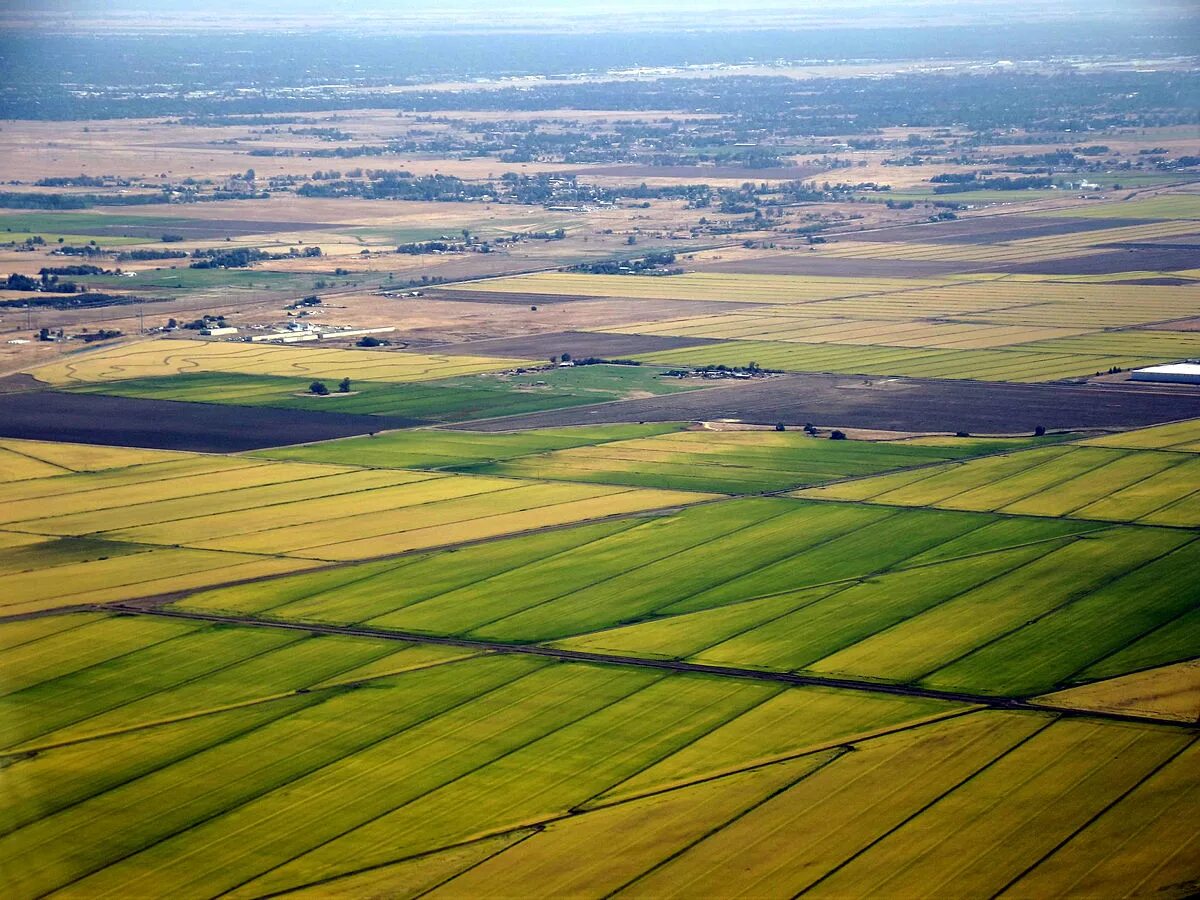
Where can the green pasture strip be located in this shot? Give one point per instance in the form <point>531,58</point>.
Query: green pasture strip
<point>610,726</point>
<point>455,399</point>
<point>919,646</point>
<point>1047,651</point>
<point>458,450</point>
<point>43,784</point>
<point>1181,436</point>
<point>238,677</point>
<point>1165,206</point>
<point>1014,364</point>
<point>59,850</point>
<point>87,693</point>
<point>736,462</point>
<point>1173,641</point>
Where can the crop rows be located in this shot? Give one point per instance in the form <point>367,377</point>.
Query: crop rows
<point>1015,364</point>
<point>483,775</point>
<point>1153,487</point>
<point>733,462</point>
<point>841,590</point>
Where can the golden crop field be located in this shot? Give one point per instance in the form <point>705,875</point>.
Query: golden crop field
<point>173,357</point>
<point>698,286</point>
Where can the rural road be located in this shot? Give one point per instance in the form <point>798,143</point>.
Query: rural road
<point>669,665</point>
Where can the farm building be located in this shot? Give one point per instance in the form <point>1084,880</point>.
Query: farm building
<point>1180,373</point>
<point>218,330</point>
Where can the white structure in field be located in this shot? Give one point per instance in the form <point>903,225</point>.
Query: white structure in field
<point>215,330</point>
<point>1180,373</point>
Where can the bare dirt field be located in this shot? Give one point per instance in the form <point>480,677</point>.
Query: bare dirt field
<point>988,229</point>
<point>1139,258</point>
<point>579,344</point>
<point>168,425</point>
<point>888,404</point>
<point>804,263</point>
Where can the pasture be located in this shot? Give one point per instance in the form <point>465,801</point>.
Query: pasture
<point>453,399</point>
<point>148,359</point>
<point>734,462</point>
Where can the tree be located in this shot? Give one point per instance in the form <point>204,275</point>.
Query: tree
<point>779,427</point>
<point>344,386</point>
<point>566,357</point>
<point>1039,431</point>
<point>318,388</point>
<point>837,435</point>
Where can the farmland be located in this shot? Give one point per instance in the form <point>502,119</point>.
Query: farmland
<point>592,457</point>
<point>450,399</point>
<point>157,358</point>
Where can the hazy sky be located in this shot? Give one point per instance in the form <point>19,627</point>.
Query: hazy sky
<point>574,15</point>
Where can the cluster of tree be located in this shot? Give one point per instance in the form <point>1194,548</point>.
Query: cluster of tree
<point>649,262</point>
<point>1001,183</point>
<point>125,255</point>
<point>241,257</point>
<point>319,388</point>
<point>48,283</point>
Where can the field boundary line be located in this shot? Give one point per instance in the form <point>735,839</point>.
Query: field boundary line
<point>915,814</point>
<point>1108,807</point>
<point>881,687</point>
<point>1070,600</point>
<point>880,573</point>
<point>850,741</point>
<point>162,690</point>
<point>442,785</point>
<point>269,788</point>
<point>250,729</point>
<point>712,540</point>
<point>834,756</point>
<point>1068,685</point>
<point>506,571</point>
<point>588,804</point>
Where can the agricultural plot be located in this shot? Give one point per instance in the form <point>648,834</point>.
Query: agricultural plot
<point>172,357</point>
<point>1014,364</point>
<point>1117,484</point>
<point>790,324</point>
<point>483,395</point>
<point>435,449</point>
<point>126,530</point>
<point>696,286</point>
<point>1018,605</point>
<point>482,774</point>
<point>1163,206</point>
<point>733,462</point>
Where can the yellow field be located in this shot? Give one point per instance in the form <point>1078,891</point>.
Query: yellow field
<point>175,357</point>
<point>1025,250</point>
<point>142,574</point>
<point>698,286</point>
<point>888,332</point>
<point>1168,692</point>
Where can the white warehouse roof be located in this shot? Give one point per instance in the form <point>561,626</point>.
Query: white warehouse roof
<point>1186,373</point>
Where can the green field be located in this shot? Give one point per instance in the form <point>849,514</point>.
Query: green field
<point>396,769</point>
<point>457,450</point>
<point>738,462</point>
<point>1155,487</point>
<point>443,400</point>
<point>1016,363</point>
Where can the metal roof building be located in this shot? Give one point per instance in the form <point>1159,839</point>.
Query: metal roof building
<point>1179,373</point>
